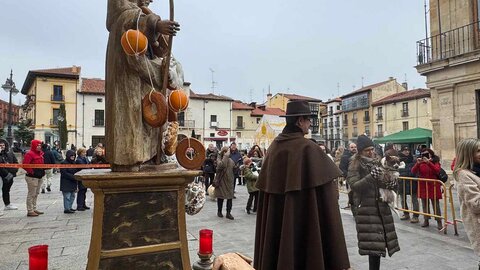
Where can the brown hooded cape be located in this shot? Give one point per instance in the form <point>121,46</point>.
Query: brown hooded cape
<point>298,219</point>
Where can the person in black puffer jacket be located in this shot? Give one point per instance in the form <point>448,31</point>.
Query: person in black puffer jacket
<point>7,174</point>
<point>82,190</point>
<point>407,187</point>
<point>68,184</point>
<point>48,158</point>
<point>373,217</point>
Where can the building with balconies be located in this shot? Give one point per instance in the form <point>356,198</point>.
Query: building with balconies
<point>208,117</point>
<point>332,123</point>
<point>449,58</point>
<point>46,89</point>
<point>244,125</point>
<point>280,101</point>
<point>91,112</point>
<point>402,111</point>
<point>357,110</point>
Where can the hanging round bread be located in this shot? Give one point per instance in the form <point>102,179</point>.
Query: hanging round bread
<point>158,118</point>
<point>190,153</point>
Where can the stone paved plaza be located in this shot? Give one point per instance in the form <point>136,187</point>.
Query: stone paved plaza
<point>68,235</point>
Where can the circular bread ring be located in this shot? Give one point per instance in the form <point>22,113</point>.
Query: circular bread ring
<point>154,119</point>
<point>198,156</point>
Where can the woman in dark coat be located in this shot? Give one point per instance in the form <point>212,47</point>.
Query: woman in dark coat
<point>373,217</point>
<point>225,180</point>
<point>68,184</point>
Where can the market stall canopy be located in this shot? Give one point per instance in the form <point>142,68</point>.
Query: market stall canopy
<point>416,135</point>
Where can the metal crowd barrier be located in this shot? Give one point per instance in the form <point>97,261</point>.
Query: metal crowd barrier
<point>454,219</point>
<point>445,202</point>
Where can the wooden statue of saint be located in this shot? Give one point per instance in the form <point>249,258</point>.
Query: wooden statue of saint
<point>130,142</point>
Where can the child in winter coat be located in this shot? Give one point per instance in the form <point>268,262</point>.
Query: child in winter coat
<point>250,174</point>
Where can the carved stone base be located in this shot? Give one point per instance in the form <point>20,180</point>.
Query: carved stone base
<point>138,219</point>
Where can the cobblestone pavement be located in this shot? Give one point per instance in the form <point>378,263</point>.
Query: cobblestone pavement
<point>68,236</point>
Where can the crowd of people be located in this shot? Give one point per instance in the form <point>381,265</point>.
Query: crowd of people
<point>39,180</point>
<point>294,189</point>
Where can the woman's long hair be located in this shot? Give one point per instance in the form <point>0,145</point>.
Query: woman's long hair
<point>465,152</point>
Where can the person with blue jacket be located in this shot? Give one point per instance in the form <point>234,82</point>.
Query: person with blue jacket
<point>68,184</point>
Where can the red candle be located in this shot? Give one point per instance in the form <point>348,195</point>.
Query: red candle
<point>38,257</point>
<point>206,238</point>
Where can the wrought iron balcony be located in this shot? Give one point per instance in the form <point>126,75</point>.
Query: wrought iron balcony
<point>337,123</point>
<point>379,116</point>
<point>240,125</point>
<point>448,44</point>
<point>345,121</point>
<point>404,113</point>
<point>366,119</point>
<point>330,124</point>
<point>354,121</point>
<point>57,98</point>
<point>337,136</point>
<point>98,122</point>
<point>186,123</point>
<point>53,122</point>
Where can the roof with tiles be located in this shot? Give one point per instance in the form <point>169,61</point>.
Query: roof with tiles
<point>238,105</point>
<point>72,72</point>
<point>92,86</point>
<point>338,99</point>
<point>403,96</point>
<point>299,97</point>
<point>367,88</point>
<point>209,96</point>
<point>263,110</point>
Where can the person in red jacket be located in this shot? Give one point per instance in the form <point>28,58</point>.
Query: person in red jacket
<point>34,177</point>
<point>428,166</point>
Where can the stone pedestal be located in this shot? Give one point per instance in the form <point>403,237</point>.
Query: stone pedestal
<point>138,219</point>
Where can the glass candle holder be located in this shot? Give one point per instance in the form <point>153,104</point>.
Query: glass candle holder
<point>38,257</point>
<point>206,239</point>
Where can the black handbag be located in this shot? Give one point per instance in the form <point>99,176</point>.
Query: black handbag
<point>38,173</point>
<point>442,175</point>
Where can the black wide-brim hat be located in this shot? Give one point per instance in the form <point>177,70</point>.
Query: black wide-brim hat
<point>299,108</point>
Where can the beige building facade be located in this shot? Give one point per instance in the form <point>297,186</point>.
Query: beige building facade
<point>46,89</point>
<point>357,112</point>
<point>449,59</point>
<point>280,101</point>
<point>402,111</point>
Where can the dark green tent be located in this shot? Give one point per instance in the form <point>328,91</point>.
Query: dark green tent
<point>416,135</point>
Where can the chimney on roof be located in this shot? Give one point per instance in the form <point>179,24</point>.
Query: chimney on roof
<point>74,69</point>
<point>391,78</point>
<point>252,104</point>
<point>405,85</point>
<point>262,107</point>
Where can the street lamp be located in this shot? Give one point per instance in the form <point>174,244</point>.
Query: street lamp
<point>9,87</point>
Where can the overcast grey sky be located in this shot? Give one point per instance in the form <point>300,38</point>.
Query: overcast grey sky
<point>307,47</point>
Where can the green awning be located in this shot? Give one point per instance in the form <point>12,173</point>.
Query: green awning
<point>417,135</point>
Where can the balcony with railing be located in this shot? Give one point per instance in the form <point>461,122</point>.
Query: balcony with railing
<point>366,119</point>
<point>337,136</point>
<point>379,134</point>
<point>379,116</point>
<point>330,136</point>
<point>57,98</point>
<point>448,44</point>
<point>186,123</point>
<point>330,124</point>
<point>240,125</point>
<point>337,123</point>
<point>345,121</point>
<point>53,122</point>
<point>404,113</point>
<point>330,112</point>
<point>99,122</point>
<point>354,121</point>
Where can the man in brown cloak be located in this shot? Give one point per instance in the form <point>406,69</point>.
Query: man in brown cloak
<point>298,219</point>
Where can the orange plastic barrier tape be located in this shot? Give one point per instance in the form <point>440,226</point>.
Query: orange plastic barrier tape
<point>50,166</point>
